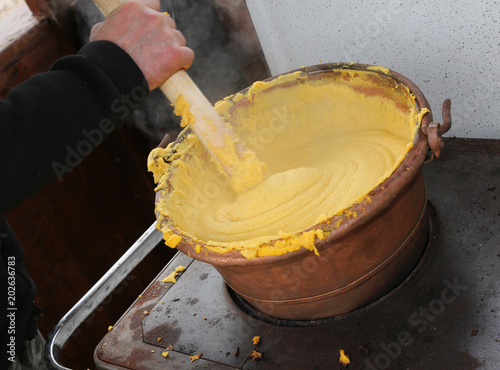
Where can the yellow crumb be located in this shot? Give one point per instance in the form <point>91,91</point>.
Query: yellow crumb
<point>196,357</point>
<point>255,355</point>
<point>181,109</point>
<point>256,340</point>
<point>164,354</point>
<point>110,327</point>
<point>344,359</point>
<point>171,278</point>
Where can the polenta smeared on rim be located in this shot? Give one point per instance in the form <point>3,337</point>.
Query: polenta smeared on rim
<point>325,144</point>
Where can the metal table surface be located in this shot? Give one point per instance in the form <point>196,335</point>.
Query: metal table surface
<point>444,315</point>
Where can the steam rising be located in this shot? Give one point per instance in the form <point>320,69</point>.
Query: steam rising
<point>216,70</point>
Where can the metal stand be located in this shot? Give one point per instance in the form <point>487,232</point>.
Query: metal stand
<point>99,292</point>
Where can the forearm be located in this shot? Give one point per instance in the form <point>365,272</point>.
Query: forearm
<point>67,110</point>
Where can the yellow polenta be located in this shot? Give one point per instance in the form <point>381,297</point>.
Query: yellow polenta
<point>326,143</point>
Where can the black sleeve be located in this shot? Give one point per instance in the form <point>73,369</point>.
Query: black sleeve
<point>49,123</point>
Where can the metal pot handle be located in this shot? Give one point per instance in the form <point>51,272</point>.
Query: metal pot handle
<point>434,130</point>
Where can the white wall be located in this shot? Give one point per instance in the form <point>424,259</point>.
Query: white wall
<point>447,48</point>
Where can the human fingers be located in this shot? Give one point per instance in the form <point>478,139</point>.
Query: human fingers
<point>170,21</point>
<point>187,57</point>
<point>177,37</point>
<point>152,4</point>
<point>149,37</point>
<point>94,30</point>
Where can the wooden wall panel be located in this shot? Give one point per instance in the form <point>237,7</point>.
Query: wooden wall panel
<point>32,53</point>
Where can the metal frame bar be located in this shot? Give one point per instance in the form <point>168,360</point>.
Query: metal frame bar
<point>95,296</point>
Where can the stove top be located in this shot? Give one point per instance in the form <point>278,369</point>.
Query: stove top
<point>444,315</point>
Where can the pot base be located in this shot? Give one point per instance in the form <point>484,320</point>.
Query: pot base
<point>425,233</point>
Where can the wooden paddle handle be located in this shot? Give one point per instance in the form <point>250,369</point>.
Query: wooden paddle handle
<point>107,6</point>
<point>241,165</point>
<point>207,125</point>
<point>212,131</point>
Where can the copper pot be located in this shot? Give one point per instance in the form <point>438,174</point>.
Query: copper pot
<point>363,258</point>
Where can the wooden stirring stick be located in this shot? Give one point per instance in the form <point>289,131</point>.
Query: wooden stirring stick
<point>240,164</point>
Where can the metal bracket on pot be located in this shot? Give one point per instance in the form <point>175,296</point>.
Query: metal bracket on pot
<point>434,130</point>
